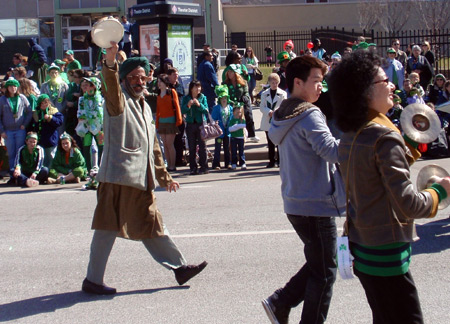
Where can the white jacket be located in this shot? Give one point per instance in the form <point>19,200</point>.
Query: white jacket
<point>267,105</point>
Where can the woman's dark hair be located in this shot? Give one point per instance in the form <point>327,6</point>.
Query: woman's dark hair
<point>192,84</point>
<point>300,67</point>
<point>164,78</point>
<point>74,143</point>
<point>232,57</point>
<point>350,85</point>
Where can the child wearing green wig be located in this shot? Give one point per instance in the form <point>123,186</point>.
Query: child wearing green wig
<point>68,164</point>
<point>222,113</point>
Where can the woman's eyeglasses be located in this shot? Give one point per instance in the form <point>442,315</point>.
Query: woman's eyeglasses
<point>381,81</point>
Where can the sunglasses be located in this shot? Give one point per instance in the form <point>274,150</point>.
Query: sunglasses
<point>381,81</point>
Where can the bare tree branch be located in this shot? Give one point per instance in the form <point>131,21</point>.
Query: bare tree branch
<point>395,14</point>
<point>435,14</point>
<point>369,13</point>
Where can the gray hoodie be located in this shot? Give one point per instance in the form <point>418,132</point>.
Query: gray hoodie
<point>311,184</point>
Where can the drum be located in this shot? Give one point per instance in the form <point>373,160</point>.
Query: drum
<point>107,30</point>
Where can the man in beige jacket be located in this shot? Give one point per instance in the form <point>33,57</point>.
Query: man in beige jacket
<point>131,164</point>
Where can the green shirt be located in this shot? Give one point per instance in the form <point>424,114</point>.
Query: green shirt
<point>75,64</point>
<point>240,132</point>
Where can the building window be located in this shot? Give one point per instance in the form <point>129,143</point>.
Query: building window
<point>27,26</point>
<point>8,27</point>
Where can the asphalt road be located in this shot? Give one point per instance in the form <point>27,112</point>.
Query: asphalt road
<point>234,220</point>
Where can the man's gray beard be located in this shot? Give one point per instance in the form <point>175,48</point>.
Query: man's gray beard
<point>131,91</point>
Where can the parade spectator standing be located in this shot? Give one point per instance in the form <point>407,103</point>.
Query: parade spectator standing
<point>383,203</point>
<point>394,69</point>
<point>17,62</point>
<point>235,58</point>
<point>251,63</point>
<point>318,51</point>
<point>168,118</point>
<point>268,49</point>
<point>208,78</point>
<point>400,55</point>
<point>62,65</point>
<point>238,92</point>
<point>426,51</point>
<point>312,191</point>
<point>90,119</point>
<point>28,167</point>
<point>195,107</point>
<point>21,73</point>
<point>222,113</point>
<point>126,36</point>
<point>126,205</point>
<point>283,59</point>
<point>47,120</point>
<point>73,94</point>
<point>37,62</point>
<point>236,128</point>
<point>419,64</point>
<point>435,92</point>
<point>176,84</point>
<point>270,101</point>
<point>289,47</point>
<point>26,88</point>
<point>56,89</point>
<point>73,64</point>
<point>15,116</point>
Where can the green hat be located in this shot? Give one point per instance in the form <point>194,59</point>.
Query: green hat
<point>65,136</point>
<point>391,50</point>
<point>41,98</point>
<point>372,44</point>
<point>221,91</point>
<point>59,62</point>
<point>362,45</point>
<point>95,81</point>
<point>69,52</point>
<point>283,56</point>
<point>53,67</point>
<point>12,82</point>
<point>397,99</point>
<point>232,67</point>
<point>439,75</point>
<point>132,63</point>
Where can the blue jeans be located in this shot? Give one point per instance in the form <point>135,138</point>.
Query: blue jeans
<point>15,139</point>
<point>22,179</point>
<point>251,85</point>
<point>226,151</point>
<point>237,144</point>
<point>313,283</point>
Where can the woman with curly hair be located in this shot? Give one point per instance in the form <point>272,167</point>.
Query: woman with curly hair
<point>375,160</point>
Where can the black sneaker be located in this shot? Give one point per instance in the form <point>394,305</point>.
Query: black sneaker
<point>277,314</point>
<point>184,273</point>
<point>92,288</point>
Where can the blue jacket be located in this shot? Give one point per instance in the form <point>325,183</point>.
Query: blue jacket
<point>217,115</point>
<point>310,182</point>
<point>208,78</point>
<point>48,131</point>
<point>7,120</point>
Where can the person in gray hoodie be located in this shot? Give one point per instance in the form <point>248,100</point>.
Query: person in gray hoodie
<point>312,190</point>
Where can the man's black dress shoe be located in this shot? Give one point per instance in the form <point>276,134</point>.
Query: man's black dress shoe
<point>92,288</point>
<point>184,273</point>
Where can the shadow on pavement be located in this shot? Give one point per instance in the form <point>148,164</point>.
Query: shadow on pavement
<point>434,237</point>
<point>51,303</point>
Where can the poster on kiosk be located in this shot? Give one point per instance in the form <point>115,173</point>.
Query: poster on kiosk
<point>179,50</point>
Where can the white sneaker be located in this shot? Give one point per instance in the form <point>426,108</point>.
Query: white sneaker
<point>233,167</point>
<point>244,167</point>
<point>254,139</point>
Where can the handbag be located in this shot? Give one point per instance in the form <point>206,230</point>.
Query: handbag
<point>210,130</point>
<point>257,74</point>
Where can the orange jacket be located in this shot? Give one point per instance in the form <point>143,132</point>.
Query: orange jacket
<point>168,106</point>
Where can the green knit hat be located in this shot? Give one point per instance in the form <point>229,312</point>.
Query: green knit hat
<point>362,45</point>
<point>283,56</point>
<point>132,63</point>
<point>41,98</point>
<point>12,82</point>
<point>221,91</point>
